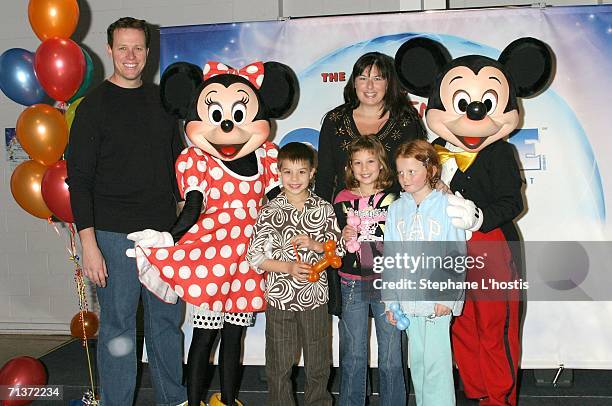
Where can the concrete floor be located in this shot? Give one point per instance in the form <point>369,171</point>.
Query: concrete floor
<point>15,345</point>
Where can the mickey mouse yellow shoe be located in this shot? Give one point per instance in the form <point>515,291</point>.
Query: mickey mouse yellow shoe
<point>215,400</point>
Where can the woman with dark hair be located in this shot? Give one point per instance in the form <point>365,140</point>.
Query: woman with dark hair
<point>374,103</point>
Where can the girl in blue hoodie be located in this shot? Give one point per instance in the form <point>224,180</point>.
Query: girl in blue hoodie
<point>419,216</point>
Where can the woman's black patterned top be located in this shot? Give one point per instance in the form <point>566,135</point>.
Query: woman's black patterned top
<point>337,133</point>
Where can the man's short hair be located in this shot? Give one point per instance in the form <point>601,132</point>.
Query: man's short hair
<point>298,152</point>
<point>128,22</point>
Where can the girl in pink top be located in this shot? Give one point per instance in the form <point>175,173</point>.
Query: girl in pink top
<point>361,210</point>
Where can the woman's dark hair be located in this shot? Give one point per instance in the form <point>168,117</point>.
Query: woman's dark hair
<point>396,98</point>
<point>128,22</point>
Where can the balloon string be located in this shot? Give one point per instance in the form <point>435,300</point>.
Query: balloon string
<point>70,249</point>
<point>83,306</point>
<point>80,288</point>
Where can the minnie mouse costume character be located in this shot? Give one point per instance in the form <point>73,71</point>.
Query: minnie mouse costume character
<point>223,178</point>
<point>472,107</point>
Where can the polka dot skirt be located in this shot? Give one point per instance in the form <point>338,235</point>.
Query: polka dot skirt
<point>207,267</point>
<point>214,320</point>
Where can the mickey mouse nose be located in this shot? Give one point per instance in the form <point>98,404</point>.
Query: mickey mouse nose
<point>475,110</point>
<point>228,125</point>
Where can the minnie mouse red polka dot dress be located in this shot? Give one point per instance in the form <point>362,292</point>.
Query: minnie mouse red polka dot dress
<point>207,266</point>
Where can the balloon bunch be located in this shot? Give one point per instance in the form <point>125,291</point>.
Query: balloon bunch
<point>403,322</point>
<point>353,220</point>
<point>62,70</point>
<point>329,258</point>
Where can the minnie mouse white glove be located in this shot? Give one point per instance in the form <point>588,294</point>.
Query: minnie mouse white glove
<point>463,213</point>
<point>149,239</point>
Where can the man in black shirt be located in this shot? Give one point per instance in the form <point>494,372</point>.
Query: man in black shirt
<point>121,175</point>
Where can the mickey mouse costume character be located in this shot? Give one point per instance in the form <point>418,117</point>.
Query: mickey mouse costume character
<point>223,178</point>
<point>472,107</point>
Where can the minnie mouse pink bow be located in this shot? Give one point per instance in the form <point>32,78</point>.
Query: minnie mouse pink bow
<point>253,72</point>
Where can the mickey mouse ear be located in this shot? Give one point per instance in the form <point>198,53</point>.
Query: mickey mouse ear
<point>418,62</point>
<point>529,62</point>
<point>279,89</point>
<point>177,87</point>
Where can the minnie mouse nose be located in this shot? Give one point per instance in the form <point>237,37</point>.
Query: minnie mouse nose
<point>227,125</point>
<point>475,110</point>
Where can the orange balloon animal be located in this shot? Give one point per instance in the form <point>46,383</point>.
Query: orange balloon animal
<point>330,258</point>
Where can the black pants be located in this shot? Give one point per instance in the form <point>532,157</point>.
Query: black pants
<point>229,362</point>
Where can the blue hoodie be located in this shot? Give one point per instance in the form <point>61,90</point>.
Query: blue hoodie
<point>407,222</point>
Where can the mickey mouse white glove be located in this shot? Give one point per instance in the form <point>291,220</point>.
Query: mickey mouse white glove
<point>149,239</point>
<point>463,213</point>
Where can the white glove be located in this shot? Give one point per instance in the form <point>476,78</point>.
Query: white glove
<point>258,258</point>
<point>149,239</point>
<point>463,213</point>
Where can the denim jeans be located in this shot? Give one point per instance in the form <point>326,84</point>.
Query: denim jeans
<point>354,339</point>
<point>117,338</point>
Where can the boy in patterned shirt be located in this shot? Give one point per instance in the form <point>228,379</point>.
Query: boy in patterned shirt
<point>287,240</point>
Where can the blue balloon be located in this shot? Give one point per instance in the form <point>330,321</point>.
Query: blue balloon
<point>394,307</point>
<point>403,323</point>
<point>17,79</point>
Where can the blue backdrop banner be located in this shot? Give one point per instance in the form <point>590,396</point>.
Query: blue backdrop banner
<point>561,145</point>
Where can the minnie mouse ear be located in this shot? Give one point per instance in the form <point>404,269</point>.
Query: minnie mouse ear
<point>418,62</point>
<point>529,62</point>
<point>279,89</point>
<point>177,87</point>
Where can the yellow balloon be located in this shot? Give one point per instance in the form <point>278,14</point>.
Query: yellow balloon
<point>70,113</point>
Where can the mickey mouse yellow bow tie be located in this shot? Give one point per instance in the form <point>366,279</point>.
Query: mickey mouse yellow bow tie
<point>464,159</point>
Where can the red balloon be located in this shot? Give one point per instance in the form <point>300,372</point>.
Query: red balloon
<point>22,371</point>
<point>55,191</point>
<point>60,66</point>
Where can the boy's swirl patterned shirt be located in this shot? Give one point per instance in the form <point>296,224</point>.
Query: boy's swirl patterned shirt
<point>278,222</point>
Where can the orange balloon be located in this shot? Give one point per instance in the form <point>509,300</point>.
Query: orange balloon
<point>27,190</point>
<point>329,245</point>
<point>90,325</point>
<point>320,266</point>
<point>53,18</point>
<point>314,277</point>
<point>336,262</point>
<point>43,133</point>
<point>330,258</point>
